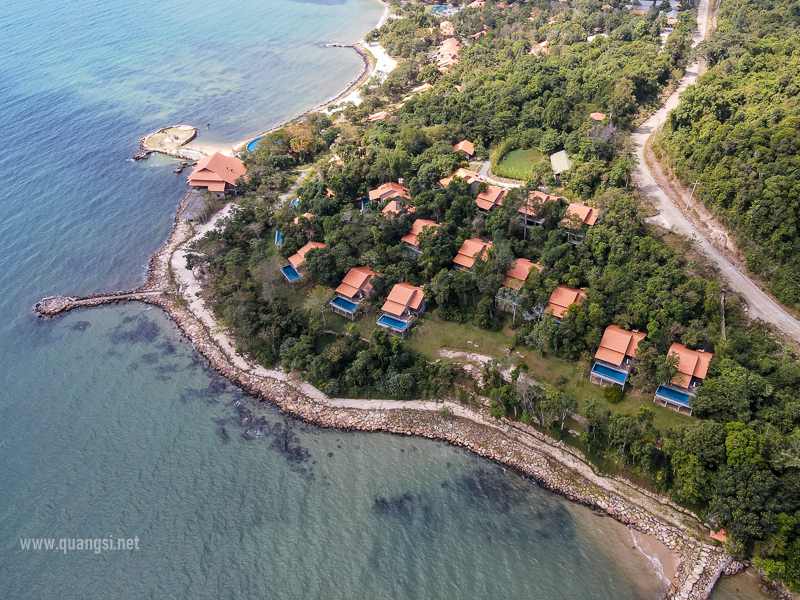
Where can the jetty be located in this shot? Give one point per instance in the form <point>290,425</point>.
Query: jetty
<point>170,140</point>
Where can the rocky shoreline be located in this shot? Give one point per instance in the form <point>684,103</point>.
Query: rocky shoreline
<point>520,448</point>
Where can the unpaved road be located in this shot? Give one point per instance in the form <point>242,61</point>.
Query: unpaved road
<point>761,306</point>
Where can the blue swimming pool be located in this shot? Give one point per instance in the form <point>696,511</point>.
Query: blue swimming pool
<point>340,302</point>
<point>608,373</point>
<point>290,273</point>
<point>393,323</point>
<point>278,238</point>
<point>295,203</point>
<point>674,395</point>
<point>254,144</point>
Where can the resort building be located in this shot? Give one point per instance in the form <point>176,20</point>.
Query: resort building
<point>517,275</point>
<point>447,29</point>
<point>562,298</point>
<point>578,216</point>
<point>471,177</point>
<point>491,198</point>
<point>540,48</point>
<point>446,54</point>
<point>393,208</point>
<point>692,370</point>
<point>532,210</point>
<point>292,270</point>
<point>354,288</point>
<point>296,220</point>
<point>560,162</point>
<point>404,304</point>
<point>412,240</point>
<point>336,160</point>
<point>217,173</point>
<point>469,250</point>
<point>378,116</point>
<point>389,190</point>
<point>466,147</point>
<point>597,116</point>
<point>613,358</point>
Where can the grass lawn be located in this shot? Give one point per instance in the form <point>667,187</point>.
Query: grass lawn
<point>520,162</point>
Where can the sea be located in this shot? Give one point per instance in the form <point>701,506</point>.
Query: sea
<point>113,428</point>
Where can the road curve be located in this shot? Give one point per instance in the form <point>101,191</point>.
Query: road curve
<point>761,306</point>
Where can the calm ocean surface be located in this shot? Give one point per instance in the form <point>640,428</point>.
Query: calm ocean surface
<point>110,425</point>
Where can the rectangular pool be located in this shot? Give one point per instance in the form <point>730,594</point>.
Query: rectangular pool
<point>343,304</point>
<point>290,273</point>
<point>394,323</point>
<point>608,373</point>
<point>674,395</point>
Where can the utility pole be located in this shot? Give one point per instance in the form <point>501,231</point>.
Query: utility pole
<point>692,194</point>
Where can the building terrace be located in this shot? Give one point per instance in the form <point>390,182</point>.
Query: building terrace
<point>354,288</point>
<point>404,304</point>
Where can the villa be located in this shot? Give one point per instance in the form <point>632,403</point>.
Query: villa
<point>532,209</point>
<point>217,173</point>
<point>296,220</point>
<point>446,54</point>
<point>561,299</point>
<point>613,358</point>
<point>412,240</point>
<point>560,162</point>
<point>404,304</point>
<point>466,147</point>
<point>393,208</point>
<point>354,288</point>
<point>389,190</point>
<point>692,370</point>
<point>471,248</point>
<point>491,198</point>
<point>578,216</point>
<point>517,275</point>
<point>471,177</point>
<point>292,270</point>
<point>597,116</point>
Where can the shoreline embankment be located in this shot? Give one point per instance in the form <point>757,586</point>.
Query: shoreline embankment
<point>523,449</point>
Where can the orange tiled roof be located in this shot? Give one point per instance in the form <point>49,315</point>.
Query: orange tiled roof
<point>469,176</point>
<point>519,271</point>
<point>389,190</point>
<point>215,171</point>
<point>469,249</point>
<point>403,296</point>
<point>392,208</point>
<point>587,214</point>
<point>561,299</point>
<point>306,215</point>
<point>336,159</point>
<point>356,280</point>
<point>720,535</point>
<point>618,343</point>
<point>298,259</point>
<point>692,363</point>
<point>417,228</point>
<point>493,196</point>
<point>597,116</point>
<point>464,146</point>
<point>377,116</point>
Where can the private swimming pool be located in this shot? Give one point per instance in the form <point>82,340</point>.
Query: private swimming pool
<point>393,323</point>
<point>290,273</point>
<point>344,305</point>
<point>674,395</point>
<point>608,373</point>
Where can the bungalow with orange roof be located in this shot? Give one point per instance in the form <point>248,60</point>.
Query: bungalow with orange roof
<point>412,239</point>
<point>517,275</point>
<point>292,270</point>
<point>613,357</point>
<point>469,250</point>
<point>597,116</point>
<point>389,190</point>
<point>692,370</point>
<point>471,177</point>
<point>304,215</point>
<point>404,304</point>
<point>466,147</point>
<point>578,217</point>
<point>393,208</point>
<point>491,198</point>
<point>532,211</point>
<point>354,288</point>
<point>540,48</point>
<point>217,173</point>
<point>561,299</point>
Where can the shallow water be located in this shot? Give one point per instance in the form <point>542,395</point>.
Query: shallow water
<point>110,424</point>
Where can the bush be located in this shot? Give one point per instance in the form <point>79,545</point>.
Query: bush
<point>613,395</point>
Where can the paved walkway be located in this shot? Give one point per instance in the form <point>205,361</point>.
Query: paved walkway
<point>760,305</point>
<point>483,171</point>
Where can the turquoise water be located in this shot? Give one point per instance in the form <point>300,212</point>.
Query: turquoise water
<point>110,425</point>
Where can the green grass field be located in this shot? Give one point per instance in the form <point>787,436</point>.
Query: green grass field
<point>518,163</point>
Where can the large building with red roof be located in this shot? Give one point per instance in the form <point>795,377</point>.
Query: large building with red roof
<point>613,356</point>
<point>412,238</point>
<point>470,249</point>
<point>562,298</point>
<point>217,173</point>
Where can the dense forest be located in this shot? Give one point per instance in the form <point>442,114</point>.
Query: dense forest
<point>737,462</point>
<point>738,133</point>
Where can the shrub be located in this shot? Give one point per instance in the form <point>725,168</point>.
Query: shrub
<point>613,395</point>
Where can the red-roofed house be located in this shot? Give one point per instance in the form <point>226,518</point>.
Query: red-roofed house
<point>469,250</point>
<point>471,177</point>
<point>393,208</point>
<point>305,215</point>
<point>614,355</point>
<point>577,216</point>
<point>518,273</point>
<point>218,173</point>
<point>491,198</point>
<point>692,369</point>
<point>412,240</point>
<point>389,190</point>
<point>597,116</point>
<point>354,288</point>
<point>562,298</point>
<point>466,147</point>
<point>404,304</point>
<point>298,259</point>
<point>532,209</point>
